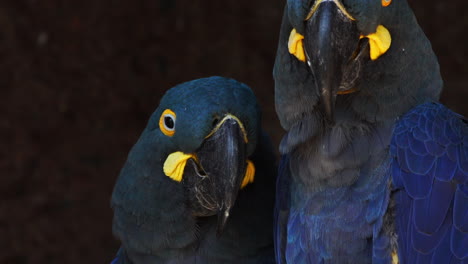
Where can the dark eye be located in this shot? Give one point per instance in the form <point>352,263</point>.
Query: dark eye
<point>169,122</point>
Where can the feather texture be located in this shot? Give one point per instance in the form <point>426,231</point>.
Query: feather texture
<point>430,179</point>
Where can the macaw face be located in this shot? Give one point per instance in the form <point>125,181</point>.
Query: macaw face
<point>335,38</point>
<point>207,133</point>
<point>367,14</point>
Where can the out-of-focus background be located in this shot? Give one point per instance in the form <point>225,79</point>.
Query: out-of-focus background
<point>79,79</point>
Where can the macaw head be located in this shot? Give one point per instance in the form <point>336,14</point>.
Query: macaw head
<point>207,129</point>
<point>196,146</point>
<point>366,51</point>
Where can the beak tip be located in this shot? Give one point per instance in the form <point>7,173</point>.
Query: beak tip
<point>223,216</point>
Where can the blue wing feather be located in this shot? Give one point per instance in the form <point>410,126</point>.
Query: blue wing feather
<point>417,145</point>
<point>419,134</point>
<point>445,168</point>
<point>429,214</point>
<point>418,186</point>
<point>459,243</point>
<point>430,178</point>
<point>419,164</point>
<point>460,218</point>
<point>434,148</point>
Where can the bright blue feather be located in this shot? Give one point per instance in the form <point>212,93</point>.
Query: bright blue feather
<point>430,178</point>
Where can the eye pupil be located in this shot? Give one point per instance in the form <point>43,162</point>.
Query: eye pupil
<point>169,122</point>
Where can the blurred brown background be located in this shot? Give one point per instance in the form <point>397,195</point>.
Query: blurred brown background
<point>79,80</point>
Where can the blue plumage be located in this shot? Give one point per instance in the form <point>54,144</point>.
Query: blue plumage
<point>160,218</point>
<point>429,196</point>
<point>333,225</point>
<point>430,185</point>
<point>371,168</point>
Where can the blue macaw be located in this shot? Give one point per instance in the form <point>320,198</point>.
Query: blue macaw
<point>373,168</point>
<point>202,159</point>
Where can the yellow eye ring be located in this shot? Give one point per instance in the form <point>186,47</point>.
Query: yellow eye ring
<point>386,2</point>
<point>167,122</point>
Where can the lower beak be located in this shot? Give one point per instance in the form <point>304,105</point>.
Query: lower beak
<point>223,158</point>
<point>331,37</point>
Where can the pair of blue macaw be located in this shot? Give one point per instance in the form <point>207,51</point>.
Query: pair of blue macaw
<point>373,169</point>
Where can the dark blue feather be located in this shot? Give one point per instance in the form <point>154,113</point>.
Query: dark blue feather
<point>396,172</point>
<point>426,243</point>
<point>422,122</point>
<point>452,152</point>
<point>420,134</point>
<point>430,213</point>
<point>433,148</point>
<point>376,208</point>
<point>460,207</point>
<point>424,258</point>
<point>442,254</point>
<point>430,173</point>
<point>411,120</point>
<point>438,133</point>
<point>401,157</point>
<point>417,145</point>
<point>463,160</point>
<point>453,134</point>
<point>419,164</point>
<point>417,186</point>
<point>459,243</point>
<point>445,168</point>
<point>402,140</point>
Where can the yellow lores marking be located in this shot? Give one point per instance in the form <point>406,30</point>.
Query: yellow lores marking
<point>175,164</point>
<point>249,174</point>
<point>386,2</point>
<point>337,2</point>
<point>379,42</point>
<point>296,46</point>
<point>229,116</point>
<point>395,257</point>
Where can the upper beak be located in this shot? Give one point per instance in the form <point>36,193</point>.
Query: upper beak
<point>224,159</point>
<point>330,40</point>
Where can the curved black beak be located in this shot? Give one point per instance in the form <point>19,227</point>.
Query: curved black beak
<point>223,157</point>
<point>330,40</point>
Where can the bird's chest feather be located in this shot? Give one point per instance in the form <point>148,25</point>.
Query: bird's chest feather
<point>338,203</point>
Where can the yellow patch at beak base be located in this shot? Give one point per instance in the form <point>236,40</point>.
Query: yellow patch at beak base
<point>296,46</point>
<point>249,174</point>
<point>379,42</point>
<point>175,164</point>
